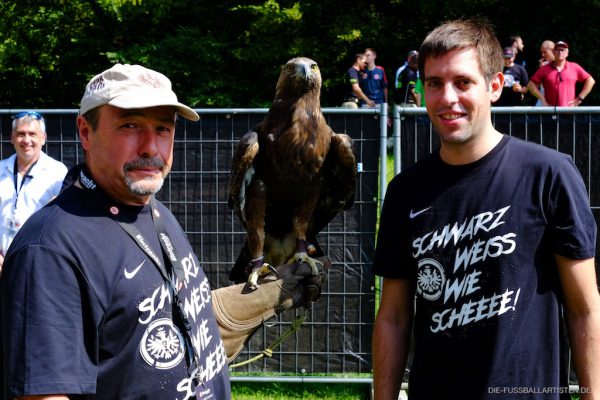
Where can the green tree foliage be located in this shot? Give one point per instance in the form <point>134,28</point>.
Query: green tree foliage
<point>37,41</point>
<point>228,53</point>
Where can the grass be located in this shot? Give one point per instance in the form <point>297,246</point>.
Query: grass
<point>303,391</point>
<point>306,391</point>
<point>389,167</point>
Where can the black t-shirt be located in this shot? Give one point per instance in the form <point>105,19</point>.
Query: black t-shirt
<point>478,243</point>
<point>352,77</point>
<point>407,81</point>
<point>90,313</point>
<point>513,74</point>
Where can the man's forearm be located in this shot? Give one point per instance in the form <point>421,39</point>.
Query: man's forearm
<point>533,89</point>
<point>359,93</point>
<point>587,87</point>
<point>584,335</point>
<point>390,352</point>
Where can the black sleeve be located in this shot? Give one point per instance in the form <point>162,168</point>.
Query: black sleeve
<point>572,226</point>
<point>50,321</point>
<point>393,253</point>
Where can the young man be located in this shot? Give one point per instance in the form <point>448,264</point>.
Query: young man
<point>482,246</point>
<point>29,179</point>
<point>373,81</point>
<point>517,45</point>
<point>102,295</point>
<point>353,79</point>
<point>406,81</point>
<point>559,78</point>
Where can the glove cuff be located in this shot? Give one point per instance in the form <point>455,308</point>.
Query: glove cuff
<point>240,311</point>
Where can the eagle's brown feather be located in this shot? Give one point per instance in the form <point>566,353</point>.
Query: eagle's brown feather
<point>292,174</point>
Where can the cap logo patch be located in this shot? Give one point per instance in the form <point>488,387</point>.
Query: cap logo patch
<point>149,80</point>
<point>95,85</point>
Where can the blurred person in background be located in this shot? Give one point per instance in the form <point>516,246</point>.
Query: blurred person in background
<point>353,79</point>
<point>547,56</point>
<point>29,179</point>
<point>515,81</point>
<point>559,79</point>
<point>406,80</point>
<point>373,80</point>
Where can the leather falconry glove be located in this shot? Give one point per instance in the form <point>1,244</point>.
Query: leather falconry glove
<point>240,310</point>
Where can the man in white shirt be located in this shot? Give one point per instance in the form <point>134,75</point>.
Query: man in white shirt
<point>28,179</point>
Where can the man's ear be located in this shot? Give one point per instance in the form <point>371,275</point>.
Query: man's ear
<point>496,85</point>
<point>84,128</point>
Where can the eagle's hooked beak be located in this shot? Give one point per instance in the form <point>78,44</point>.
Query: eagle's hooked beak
<point>304,71</point>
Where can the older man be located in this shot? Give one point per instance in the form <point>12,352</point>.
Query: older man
<point>559,78</point>
<point>29,179</point>
<point>102,295</point>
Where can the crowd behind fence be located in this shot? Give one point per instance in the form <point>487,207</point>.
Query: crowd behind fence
<point>335,339</point>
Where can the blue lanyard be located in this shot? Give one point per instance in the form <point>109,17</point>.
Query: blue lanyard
<point>16,178</point>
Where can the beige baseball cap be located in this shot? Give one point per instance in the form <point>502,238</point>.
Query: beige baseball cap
<point>132,86</point>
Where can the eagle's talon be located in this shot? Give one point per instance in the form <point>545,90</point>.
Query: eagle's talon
<point>264,270</point>
<point>273,270</point>
<point>313,263</point>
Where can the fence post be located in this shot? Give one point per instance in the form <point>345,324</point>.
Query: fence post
<point>396,135</point>
<point>382,152</point>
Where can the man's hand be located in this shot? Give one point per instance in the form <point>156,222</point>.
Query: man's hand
<point>240,310</point>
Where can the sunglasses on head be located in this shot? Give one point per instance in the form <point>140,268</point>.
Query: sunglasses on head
<point>32,114</point>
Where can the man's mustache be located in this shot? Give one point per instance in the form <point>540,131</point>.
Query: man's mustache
<point>153,162</point>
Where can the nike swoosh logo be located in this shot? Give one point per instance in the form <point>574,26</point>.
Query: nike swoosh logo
<point>130,275</point>
<point>415,214</point>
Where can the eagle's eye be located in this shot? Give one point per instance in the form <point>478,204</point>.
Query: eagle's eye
<point>314,67</point>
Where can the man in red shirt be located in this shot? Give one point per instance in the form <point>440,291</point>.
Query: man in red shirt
<point>559,78</point>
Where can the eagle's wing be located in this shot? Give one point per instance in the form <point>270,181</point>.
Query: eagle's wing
<point>339,184</point>
<point>242,171</point>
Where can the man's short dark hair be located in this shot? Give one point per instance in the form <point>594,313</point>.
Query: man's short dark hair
<point>92,117</point>
<point>477,34</point>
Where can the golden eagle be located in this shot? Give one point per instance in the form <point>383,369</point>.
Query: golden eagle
<point>290,176</point>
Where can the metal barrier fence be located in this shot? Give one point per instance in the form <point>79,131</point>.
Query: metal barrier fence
<point>336,337</point>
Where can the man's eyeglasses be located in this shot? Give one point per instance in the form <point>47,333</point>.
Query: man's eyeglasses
<point>32,114</point>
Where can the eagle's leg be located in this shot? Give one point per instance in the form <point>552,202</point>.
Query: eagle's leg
<point>304,250</point>
<point>258,268</point>
<point>255,209</point>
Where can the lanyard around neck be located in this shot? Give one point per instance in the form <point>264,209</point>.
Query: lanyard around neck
<point>168,251</point>
<point>25,176</point>
<point>171,258</point>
